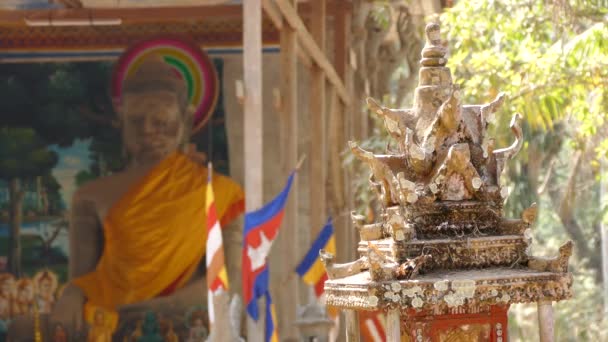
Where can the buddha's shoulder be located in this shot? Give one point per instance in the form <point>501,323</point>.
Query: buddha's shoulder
<point>92,189</point>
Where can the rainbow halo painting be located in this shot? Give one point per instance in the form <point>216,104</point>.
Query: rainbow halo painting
<point>189,62</point>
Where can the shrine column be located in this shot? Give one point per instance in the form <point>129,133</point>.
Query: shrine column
<point>393,325</point>
<point>545,321</point>
<point>253,127</point>
<point>352,325</point>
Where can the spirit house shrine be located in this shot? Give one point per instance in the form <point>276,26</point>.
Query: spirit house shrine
<point>442,262</point>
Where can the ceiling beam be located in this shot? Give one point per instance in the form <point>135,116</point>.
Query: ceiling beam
<point>15,17</point>
<point>308,43</point>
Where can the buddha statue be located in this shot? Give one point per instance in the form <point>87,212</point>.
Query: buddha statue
<point>24,298</point>
<point>101,329</point>
<point>46,284</point>
<point>7,296</point>
<point>137,237</point>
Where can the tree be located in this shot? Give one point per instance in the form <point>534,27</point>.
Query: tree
<point>23,156</point>
<point>43,105</point>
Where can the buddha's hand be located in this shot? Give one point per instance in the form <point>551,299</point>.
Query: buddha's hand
<point>68,311</point>
<point>196,156</point>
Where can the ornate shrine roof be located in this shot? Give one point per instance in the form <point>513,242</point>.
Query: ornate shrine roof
<point>441,243</point>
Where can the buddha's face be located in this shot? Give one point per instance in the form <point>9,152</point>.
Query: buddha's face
<point>153,126</point>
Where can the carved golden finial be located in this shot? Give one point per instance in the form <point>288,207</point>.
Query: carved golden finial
<point>433,54</point>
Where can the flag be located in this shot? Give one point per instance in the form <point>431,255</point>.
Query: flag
<point>311,269</point>
<point>217,277</point>
<point>271,334</point>
<point>261,228</point>
<point>372,326</point>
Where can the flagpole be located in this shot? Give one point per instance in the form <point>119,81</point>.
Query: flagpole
<point>300,162</point>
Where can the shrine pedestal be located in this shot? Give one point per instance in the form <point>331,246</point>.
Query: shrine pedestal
<point>488,324</point>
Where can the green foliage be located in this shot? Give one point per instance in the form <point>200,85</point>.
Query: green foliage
<point>551,68</point>
<point>23,154</point>
<point>550,59</point>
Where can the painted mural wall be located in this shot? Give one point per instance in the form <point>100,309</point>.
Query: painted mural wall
<point>57,132</point>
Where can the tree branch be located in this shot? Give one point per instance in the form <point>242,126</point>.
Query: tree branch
<point>543,187</point>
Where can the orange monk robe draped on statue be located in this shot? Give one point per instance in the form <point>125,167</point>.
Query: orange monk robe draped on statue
<point>155,235</point>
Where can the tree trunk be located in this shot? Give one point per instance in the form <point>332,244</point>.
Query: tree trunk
<point>564,207</point>
<point>16,218</point>
<point>39,194</point>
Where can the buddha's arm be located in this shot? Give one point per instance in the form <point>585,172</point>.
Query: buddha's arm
<point>85,237</point>
<point>85,242</point>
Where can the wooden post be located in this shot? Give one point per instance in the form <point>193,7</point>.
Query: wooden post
<point>545,321</point>
<point>393,325</point>
<point>253,123</point>
<point>291,247</point>
<point>318,160</point>
<point>352,325</point>
<point>342,42</point>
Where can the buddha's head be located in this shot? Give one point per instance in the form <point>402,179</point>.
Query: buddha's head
<point>154,112</point>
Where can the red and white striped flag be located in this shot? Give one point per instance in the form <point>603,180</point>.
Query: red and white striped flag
<point>217,277</point>
<point>373,326</point>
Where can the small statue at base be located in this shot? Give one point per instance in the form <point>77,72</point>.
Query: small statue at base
<point>150,329</point>
<point>171,336</point>
<point>101,331</point>
<point>59,334</point>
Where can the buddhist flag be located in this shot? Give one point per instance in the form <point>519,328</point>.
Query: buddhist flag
<point>261,229</point>
<point>311,269</point>
<point>271,334</point>
<point>217,277</point>
<point>373,326</point>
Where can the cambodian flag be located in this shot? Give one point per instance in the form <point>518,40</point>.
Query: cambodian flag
<point>261,228</point>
